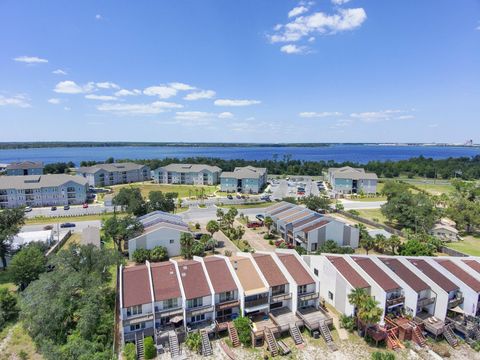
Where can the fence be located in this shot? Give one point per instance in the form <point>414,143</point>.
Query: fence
<point>371,223</point>
<point>452,252</point>
<point>59,244</point>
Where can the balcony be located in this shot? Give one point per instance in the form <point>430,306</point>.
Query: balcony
<point>280,297</point>
<point>395,300</point>
<point>226,304</point>
<point>456,301</point>
<point>300,239</point>
<point>425,301</point>
<point>256,302</point>
<point>169,312</point>
<point>199,310</point>
<point>308,296</point>
<point>135,319</point>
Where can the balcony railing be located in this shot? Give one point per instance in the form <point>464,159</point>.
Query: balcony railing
<point>280,297</point>
<point>256,302</point>
<point>425,301</point>
<point>169,312</point>
<point>308,296</point>
<point>396,300</point>
<point>199,310</point>
<point>227,304</point>
<point>456,301</point>
<point>135,319</point>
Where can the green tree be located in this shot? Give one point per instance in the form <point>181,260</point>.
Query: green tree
<point>131,200</point>
<point>381,242</point>
<point>158,253</point>
<point>198,249</point>
<point>379,355</point>
<point>129,352</point>
<point>27,265</point>
<point>213,227</point>
<point>186,245</point>
<point>194,342</point>
<point>268,222</point>
<point>317,203</point>
<point>11,221</point>
<point>367,243</point>
<point>157,200</point>
<point>415,247</point>
<point>122,229</point>
<point>369,313</point>
<point>242,324</point>
<point>394,242</point>
<point>141,255</point>
<point>8,307</point>
<point>150,351</point>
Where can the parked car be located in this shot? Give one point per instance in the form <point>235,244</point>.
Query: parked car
<point>238,196</point>
<point>66,207</point>
<point>48,227</point>
<point>28,209</point>
<point>229,197</point>
<point>265,198</point>
<point>254,224</point>
<point>260,217</point>
<point>197,236</point>
<point>53,208</point>
<point>85,205</point>
<point>243,197</point>
<point>67,225</point>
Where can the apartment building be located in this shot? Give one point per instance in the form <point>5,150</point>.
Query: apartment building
<point>24,168</point>
<point>159,229</point>
<point>189,174</point>
<point>248,180</point>
<point>306,228</point>
<point>112,174</point>
<point>42,190</point>
<point>348,180</point>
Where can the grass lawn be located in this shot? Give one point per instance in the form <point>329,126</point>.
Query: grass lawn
<point>469,245</point>
<point>19,342</point>
<point>6,280</point>
<point>182,190</point>
<point>75,238</point>
<point>52,220</point>
<point>248,206</point>
<point>372,214</point>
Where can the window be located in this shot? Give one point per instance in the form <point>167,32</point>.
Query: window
<point>137,326</point>
<point>170,303</point>
<point>302,289</point>
<point>172,241</point>
<point>330,295</point>
<point>197,318</point>
<point>315,271</point>
<point>192,303</point>
<point>226,296</point>
<point>134,310</point>
<point>314,247</point>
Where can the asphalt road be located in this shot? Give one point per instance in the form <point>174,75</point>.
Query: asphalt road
<point>203,215</point>
<point>358,205</point>
<point>74,210</point>
<point>79,225</point>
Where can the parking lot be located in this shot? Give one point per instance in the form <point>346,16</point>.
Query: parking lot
<point>297,189</point>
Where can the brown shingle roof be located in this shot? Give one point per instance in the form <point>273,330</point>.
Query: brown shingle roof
<point>405,274</point>
<point>457,271</point>
<point>270,270</point>
<point>277,206</point>
<point>286,213</point>
<point>315,226</point>
<point>219,274</point>
<point>247,274</point>
<point>348,272</point>
<point>298,272</point>
<point>165,281</point>
<point>193,279</point>
<point>293,212</point>
<point>298,216</point>
<point>306,221</point>
<point>436,276</point>
<point>475,265</point>
<point>377,274</point>
<point>136,286</point>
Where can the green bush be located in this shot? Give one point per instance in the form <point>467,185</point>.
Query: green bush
<point>228,253</point>
<point>194,342</point>
<point>149,348</point>
<point>271,242</point>
<point>129,352</point>
<point>242,324</point>
<point>8,307</point>
<point>158,253</point>
<point>378,355</point>
<point>347,322</point>
<point>141,255</point>
<point>197,226</point>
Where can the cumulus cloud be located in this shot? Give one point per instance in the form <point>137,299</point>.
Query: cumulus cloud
<point>340,2</point>
<point>202,94</point>
<point>225,115</point>
<point>292,49</point>
<point>20,101</point>
<point>319,23</point>
<point>125,92</point>
<point>235,102</point>
<point>54,101</point>
<point>181,86</point>
<point>155,107</point>
<point>30,60</point>
<point>59,72</point>
<point>313,114</point>
<point>382,115</point>
<point>98,17</point>
<point>107,85</point>
<point>100,97</point>
<point>193,115</point>
<point>299,10</point>
<point>71,87</point>
<point>167,91</point>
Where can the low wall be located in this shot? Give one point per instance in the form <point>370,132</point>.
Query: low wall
<point>59,244</point>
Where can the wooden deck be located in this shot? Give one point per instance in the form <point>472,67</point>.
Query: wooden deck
<point>312,317</point>
<point>431,324</point>
<point>284,317</point>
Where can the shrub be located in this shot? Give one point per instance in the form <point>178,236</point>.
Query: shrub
<point>354,212</point>
<point>158,253</point>
<point>129,352</point>
<point>378,355</point>
<point>228,253</point>
<point>347,322</point>
<point>150,351</point>
<point>23,355</point>
<point>141,255</point>
<point>242,324</point>
<point>197,226</point>
<point>269,236</point>
<point>8,307</point>
<point>271,242</point>
<point>194,342</point>
<point>475,345</point>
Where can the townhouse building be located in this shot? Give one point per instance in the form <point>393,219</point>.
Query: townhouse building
<point>24,168</point>
<point>349,180</point>
<point>42,190</point>
<point>189,174</point>
<point>100,175</point>
<point>247,180</point>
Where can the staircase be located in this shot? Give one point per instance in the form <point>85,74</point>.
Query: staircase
<point>173,343</point>
<point>327,335</point>
<point>271,341</point>
<point>295,334</point>
<point>206,346</point>
<point>139,344</point>
<point>392,340</point>
<point>450,336</point>
<point>418,337</point>
<point>233,335</point>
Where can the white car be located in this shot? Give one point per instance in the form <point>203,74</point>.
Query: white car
<point>28,209</point>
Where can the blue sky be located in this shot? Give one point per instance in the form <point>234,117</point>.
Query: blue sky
<point>246,71</point>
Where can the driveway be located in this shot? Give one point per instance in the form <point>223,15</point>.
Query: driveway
<point>255,239</point>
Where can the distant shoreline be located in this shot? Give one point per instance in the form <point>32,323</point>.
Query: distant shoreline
<point>59,144</point>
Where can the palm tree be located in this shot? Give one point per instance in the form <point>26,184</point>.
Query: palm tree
<point>211,243</point>
<point>394,242</point>
<point>369,313</point>
<point>367,242</point>
<point>186,245</point>
<point>268,222</point>
<point>381,242</point>
<point>212,227</point>
<point>357,297</point>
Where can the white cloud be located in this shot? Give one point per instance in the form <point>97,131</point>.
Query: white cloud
<point>139,109</point>
<point>30,60</point>
<point>98,17</point>
<point>71,87</point>
<point>66,108</point>
<point>193,115</point>
<point>313,114</point>
<point>125,92</point>
<point>17,100</point>
<point>319,23</point>
<point>433,125</point>
<point>100,97</point>
<point>54,101</point>
<point>181,86</point>
<point>59,72</point>
<point>292,49</point>
<point>299,10</point>
<point>163,92</point>
<point>202,94</point>
<point>107,85</point>
<point>382,115</point>
<point>235,102</point>
<point>340,2</point>
<point>225,115</point>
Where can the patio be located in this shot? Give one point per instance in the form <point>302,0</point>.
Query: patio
<point>312,317</point>
<point>284,317</point>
